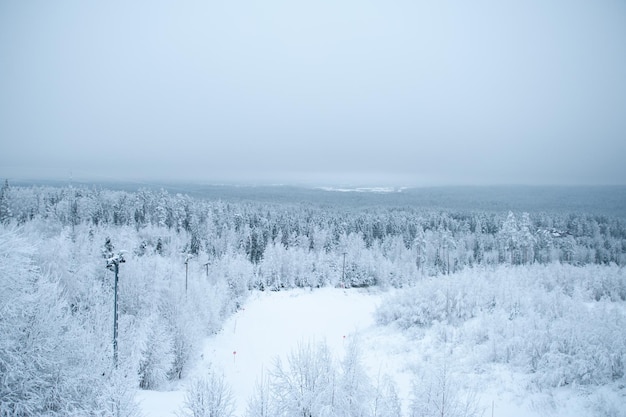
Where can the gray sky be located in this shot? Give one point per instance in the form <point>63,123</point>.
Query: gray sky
<point>402,92</point>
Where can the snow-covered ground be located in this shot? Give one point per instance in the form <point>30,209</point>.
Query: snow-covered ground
<point>273,323</point>
<point>270,325</point>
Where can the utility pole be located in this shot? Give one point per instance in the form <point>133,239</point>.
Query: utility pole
<point>113,264</point>
<point>187,258</point>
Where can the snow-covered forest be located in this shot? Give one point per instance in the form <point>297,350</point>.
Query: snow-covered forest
<point>541,293</point>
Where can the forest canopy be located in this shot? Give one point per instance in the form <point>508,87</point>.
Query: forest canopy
<point>192,261</point>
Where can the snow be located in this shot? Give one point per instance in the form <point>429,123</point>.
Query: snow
<point>273,323</point>
<point>160,403</point>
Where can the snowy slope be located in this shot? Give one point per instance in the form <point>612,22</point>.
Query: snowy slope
<point>273,323</point>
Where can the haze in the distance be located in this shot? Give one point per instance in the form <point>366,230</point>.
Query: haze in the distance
<point>377,92</point>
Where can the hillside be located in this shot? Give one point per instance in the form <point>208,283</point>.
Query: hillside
<point>272,325</point>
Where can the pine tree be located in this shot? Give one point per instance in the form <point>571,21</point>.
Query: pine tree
<point>5,210</point>
<point>509,237</point>
<point>157,357</point>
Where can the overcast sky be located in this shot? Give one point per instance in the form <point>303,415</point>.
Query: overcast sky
<point>378,92</point>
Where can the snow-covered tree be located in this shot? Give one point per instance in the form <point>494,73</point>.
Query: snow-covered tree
<point>439,393</point>
<point>208,396</point>
<point>386,402</point>
<point>262,403</point>
<point>52,359</point>
<point>305,385</point>
<point>5,209</point>
<point>157,354</point>
<point>508,238</point>
<point>354,390</point>
<point>526,239</point>
<point>314,384</point>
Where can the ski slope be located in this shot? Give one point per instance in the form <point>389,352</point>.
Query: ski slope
<point>273,323</point>
<point>269,326</point>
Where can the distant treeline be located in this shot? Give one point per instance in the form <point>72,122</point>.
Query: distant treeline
<point>290,243</point>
